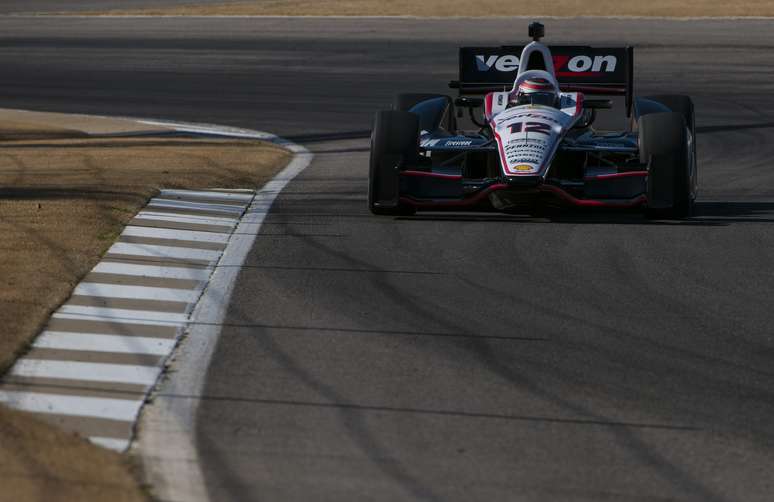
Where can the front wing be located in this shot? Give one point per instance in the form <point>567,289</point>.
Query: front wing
<point>460,181</point>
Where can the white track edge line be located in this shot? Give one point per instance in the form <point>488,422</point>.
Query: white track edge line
<point>116,444</point>
<point>173,470</point>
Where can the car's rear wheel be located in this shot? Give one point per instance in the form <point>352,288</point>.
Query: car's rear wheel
<point>394,143</point>
<point>664,147</point>
<point>684,106</point>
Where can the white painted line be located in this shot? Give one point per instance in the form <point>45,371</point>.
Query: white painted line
<point>167,441</point>
<point>102,313</point>
<point>136,292</point>
<point>187,218</point>
<point>90,372</point>
<point>170,252</point>
<point>206,194</point>
<point>201,206</point>
<point>127,320</point>
<point>110,443</point>
<point>100,407</point>
<point>104,343</point>
<point>233,190</point>
<point>180,235</point>
<point>167,272</point>
<point>215,130</point>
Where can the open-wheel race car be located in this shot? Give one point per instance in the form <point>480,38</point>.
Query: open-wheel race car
<point>536,148</point>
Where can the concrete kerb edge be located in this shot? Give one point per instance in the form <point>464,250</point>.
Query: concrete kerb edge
<point>165,443</point>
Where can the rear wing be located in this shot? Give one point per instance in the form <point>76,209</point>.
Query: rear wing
<point>591,70</point>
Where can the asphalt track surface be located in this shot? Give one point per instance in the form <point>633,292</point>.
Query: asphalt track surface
<point>449,356</point>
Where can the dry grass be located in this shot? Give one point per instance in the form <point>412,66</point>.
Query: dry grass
<point>62,204</point>
<point>38,462</point>
<point>10,129</point>
<point>446,8</point>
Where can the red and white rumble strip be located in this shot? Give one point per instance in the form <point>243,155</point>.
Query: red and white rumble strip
<point>101,353</point>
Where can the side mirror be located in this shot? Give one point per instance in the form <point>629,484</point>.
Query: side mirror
<point>467,102</point>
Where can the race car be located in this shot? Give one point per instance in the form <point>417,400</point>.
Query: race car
<point>535,149</point>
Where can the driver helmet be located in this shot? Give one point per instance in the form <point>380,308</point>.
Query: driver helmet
<point>536,91</point>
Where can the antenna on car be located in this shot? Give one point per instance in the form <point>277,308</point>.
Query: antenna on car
<point>537,31</point>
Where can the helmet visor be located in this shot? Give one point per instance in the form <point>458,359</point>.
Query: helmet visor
<point>541,98</point>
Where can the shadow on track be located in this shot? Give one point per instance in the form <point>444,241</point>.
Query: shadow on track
<point>334,136</point>
<point>706,214</point>
<point>363,133</point>
<point>497,363</point>
<point>734,127</point>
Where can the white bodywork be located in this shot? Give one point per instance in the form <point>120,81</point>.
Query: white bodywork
<point>548,60</point>
<point>529,135</point>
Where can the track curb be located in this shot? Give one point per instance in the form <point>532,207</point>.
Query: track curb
<point>166,442</point>
<point>103,350</point>
<point>169,274</point>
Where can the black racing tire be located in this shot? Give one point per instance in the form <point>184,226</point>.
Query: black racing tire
<point>394,140</point>
<point>684,106</point>
<point>664,148</point>
<point>405,102</point>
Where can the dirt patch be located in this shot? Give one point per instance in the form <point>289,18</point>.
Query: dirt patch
<point>448,8</point>
<point>62,204</point>
<point>10,130</point>
<point>30,125</point>
<point>39,462</point>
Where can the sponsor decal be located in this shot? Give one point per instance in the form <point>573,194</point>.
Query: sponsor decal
<point>505,63</point>
<point>528,138</point>
<point>458,143</point>
<point>527,146</point>
<point>526,127</point>
<point>565,66</point>
<point>520,151</point>
<point>541,116</point>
